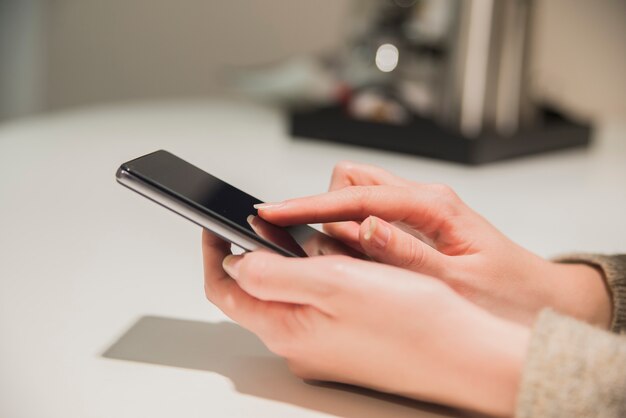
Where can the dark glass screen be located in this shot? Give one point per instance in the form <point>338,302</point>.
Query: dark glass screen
<point>216,198</point>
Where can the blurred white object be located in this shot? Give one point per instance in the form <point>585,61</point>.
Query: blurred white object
<point>387,56</point>
<point>418,97</point>
<point>375,107</point>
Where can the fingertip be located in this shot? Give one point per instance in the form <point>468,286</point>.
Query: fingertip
<point>231,264</point>
<point>269,206</point>
<point>272,212</point>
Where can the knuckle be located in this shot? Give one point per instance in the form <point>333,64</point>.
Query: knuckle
<point>359,196</point>
<point>415,258</point>
<point>398,190</point>
<point>342,167</point>
<point>446,196</point>
<point>341,174</point>
<point>443,190</point>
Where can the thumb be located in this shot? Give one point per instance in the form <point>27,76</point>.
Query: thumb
<point>389,244</point>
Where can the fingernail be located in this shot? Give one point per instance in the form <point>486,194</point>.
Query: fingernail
<point>251,219</point>
<point>377,233</point>
<point>231,265</point>
<point>268,206</point>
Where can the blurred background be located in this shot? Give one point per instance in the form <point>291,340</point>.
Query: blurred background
<point>59,54</point>
<point>88,84</point>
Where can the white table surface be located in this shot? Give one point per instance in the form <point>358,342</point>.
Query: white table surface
<point>102,312</point>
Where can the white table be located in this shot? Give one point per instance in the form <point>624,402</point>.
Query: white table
<point>102,312</point>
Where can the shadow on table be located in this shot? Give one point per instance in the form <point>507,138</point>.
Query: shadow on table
<point>231,351</point>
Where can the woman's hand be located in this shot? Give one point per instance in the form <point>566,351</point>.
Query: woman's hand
<point>341,319</point>
<point>428,229</point>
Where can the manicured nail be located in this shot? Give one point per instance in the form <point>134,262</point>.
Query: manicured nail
<point>231,265</point>
<point>377,233</point>
<point>251,219</point>
<point>268,206</point>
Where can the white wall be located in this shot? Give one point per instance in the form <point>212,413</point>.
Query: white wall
<point>22,63</point>
<point>580,56</point>
<point>110,50</point>
<point>103,50</point>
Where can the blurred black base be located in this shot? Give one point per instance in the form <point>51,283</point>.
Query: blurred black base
<point>426,138</point>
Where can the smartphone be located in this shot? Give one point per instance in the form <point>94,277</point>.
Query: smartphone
<point>219,207</point>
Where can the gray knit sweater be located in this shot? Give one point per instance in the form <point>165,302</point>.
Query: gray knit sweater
<point>573,369</point>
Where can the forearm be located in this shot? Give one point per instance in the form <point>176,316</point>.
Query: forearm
<point>479,368</point>
<point>496,367</point>
<point>612,272</point>
<point>586,287</point>
<point>579,290</point>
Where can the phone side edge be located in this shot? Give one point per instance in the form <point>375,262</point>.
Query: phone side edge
<point>201,219</point>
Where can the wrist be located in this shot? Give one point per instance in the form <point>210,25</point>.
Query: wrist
<point>483,367</point>
<point>503,345</point>
<point>580,291</point>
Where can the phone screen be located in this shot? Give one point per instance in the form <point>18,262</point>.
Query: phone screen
<point>228,204</point>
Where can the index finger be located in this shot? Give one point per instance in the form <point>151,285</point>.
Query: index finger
<point>418,208</point>
<point>348,173</point>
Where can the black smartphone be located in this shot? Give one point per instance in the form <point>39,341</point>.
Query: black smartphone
<point>219,207</point>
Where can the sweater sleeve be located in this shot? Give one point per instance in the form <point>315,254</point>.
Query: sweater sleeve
<point>572,370</point>
<point>613,268</point>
